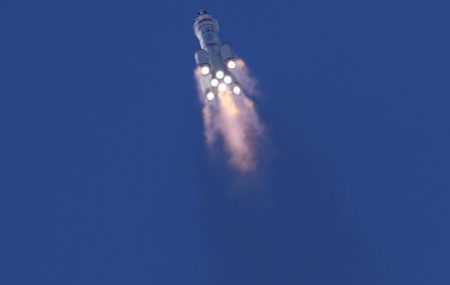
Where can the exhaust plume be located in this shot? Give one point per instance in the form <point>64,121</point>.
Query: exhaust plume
<point>233,119</point>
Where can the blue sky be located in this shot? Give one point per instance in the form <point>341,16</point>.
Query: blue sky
<point>104,173</point>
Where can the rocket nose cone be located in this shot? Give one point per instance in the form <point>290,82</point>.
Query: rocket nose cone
<point>199,14</point>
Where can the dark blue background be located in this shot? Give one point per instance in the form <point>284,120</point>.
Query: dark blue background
<point>104,173</point>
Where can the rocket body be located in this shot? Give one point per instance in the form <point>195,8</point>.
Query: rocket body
<point>214,60</point>
<point>223,81</point>
<point>206,29</point>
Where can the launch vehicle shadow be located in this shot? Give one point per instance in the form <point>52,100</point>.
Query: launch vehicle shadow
<point>286,229</point>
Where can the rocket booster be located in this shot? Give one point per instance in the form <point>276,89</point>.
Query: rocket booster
<point>214,60</point>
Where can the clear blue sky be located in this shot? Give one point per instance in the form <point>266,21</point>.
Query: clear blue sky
<point>104,175</point>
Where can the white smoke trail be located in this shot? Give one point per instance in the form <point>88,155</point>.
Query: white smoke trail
<point>234,119</point>
<point>243,75</point>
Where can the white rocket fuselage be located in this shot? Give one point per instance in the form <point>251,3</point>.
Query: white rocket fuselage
<point>206,29</point>
<point>215,60</point>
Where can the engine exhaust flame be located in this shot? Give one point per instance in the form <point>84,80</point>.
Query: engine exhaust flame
<point>242,74</point>
<point>234,119</point>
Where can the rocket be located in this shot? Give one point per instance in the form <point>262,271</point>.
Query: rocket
<point>215,61</point>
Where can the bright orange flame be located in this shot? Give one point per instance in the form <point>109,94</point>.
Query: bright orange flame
<point>227,103</point>
<point>234,131</point>
<point>240,63</point>
<point>234,118</point>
